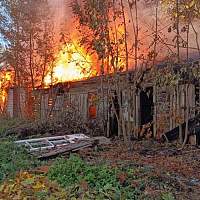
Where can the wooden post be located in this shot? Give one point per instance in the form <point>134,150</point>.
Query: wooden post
<point>137,111</point>
<point>179,114</point>
<point>155,111</point>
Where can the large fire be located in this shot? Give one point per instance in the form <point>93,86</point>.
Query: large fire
<point>71,63</point>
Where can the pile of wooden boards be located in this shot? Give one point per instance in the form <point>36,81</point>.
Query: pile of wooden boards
<point>193,129</point>
<point>53,146</point>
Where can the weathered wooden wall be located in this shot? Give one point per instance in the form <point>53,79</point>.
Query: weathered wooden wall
<point>170,106</point>
<point>87,94</point>
<point>53,101</point>
<point>16,102</point>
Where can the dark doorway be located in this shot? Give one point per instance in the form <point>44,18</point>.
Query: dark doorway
<point>146,105</point>
<point>197,98</point>
<point>113,117</point>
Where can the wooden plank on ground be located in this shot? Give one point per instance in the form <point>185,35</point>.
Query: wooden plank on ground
<point>64,150</point>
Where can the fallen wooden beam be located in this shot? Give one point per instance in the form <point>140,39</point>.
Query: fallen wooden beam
<point>64,150</point>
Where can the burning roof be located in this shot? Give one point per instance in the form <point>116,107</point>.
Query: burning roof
<point>71,63</point>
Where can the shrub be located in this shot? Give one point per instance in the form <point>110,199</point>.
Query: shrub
<point>67,172</point>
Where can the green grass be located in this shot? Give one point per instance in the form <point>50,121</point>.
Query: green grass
<point>13,159</point>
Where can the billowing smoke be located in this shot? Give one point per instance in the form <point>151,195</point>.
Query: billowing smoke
<point>62,15</point>
<point>166,44</point>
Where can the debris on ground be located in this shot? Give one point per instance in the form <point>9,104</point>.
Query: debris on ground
<point>193,128</point>
<point>180,168</point>
<point>53,146</point>
<point>156,169</point>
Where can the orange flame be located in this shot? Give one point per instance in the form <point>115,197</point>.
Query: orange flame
<point>5,82</point>
<point>72,63</point>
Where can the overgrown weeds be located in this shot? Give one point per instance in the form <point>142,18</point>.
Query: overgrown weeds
<point>29,186</point>
<point>98,181</point>
<point>75,179</point>
<point>68,122</point>
<point>9,123</point>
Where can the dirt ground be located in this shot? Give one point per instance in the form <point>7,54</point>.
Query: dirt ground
<point>178,170</point>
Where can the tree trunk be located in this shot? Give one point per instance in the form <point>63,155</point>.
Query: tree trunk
<point>177,31</point>
<point>31,59</point>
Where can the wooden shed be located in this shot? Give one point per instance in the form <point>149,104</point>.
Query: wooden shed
<point>163,106</point>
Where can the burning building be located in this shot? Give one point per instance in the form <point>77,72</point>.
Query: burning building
<point>164,107</point>
<point>72,84</point>
<point>75,81</point>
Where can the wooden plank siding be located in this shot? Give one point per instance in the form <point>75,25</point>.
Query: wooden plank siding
<point>54,101</point>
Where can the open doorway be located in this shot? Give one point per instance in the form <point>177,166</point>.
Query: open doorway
<point>112,114</point>
<point>146,109</point>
